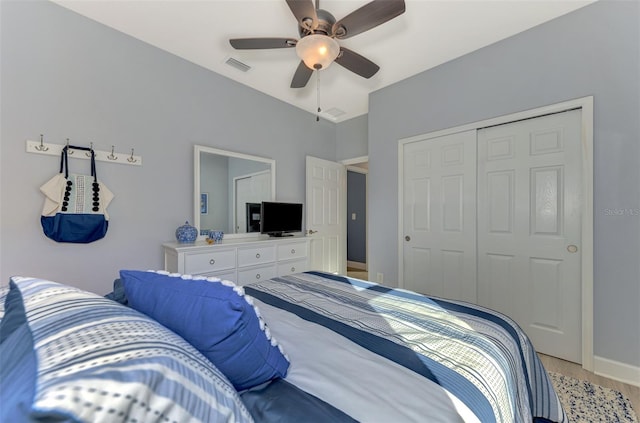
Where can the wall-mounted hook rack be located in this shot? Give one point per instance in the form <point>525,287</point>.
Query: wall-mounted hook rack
<point>41,147</point>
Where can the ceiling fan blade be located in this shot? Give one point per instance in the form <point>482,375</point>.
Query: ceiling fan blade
<point>302,76</point>
<point>368,16</point>
<point>356,63</point>
<point>262,43</point>
<point>305,13</point>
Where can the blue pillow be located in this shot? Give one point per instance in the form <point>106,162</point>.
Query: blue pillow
<point>71,355</point>
<point>118,294</point>
<point>215,317</point>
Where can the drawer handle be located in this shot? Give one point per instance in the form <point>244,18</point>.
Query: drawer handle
<point>293,251</point>
<point>212,262</point>
<point>293,269</point>
<point>257,275</point>
<point>258,255</point>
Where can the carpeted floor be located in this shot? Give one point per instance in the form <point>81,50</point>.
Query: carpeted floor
<point>585,402</point>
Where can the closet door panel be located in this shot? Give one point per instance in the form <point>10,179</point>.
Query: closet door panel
<point>439,194</point>
<point>529,228</point>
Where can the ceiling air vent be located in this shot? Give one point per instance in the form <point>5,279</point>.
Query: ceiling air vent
<point>335,112</point>
<point>237,64</point>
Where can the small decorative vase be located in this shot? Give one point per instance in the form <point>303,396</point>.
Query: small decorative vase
<point>215,236</point>
<point>186,233</point>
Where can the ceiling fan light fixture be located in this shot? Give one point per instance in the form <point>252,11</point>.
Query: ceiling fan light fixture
<point>317,51</point>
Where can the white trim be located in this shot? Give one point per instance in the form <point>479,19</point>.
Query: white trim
<point>401,144</point>
<point>587,233</point>
<point>355,160</point>
<point>357,169</point>
<point>584,103</point>
<point>615,370</point>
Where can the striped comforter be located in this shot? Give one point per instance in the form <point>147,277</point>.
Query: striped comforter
<point>480,356</point>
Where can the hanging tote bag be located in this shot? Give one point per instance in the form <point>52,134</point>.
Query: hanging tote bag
<point>75,207</point>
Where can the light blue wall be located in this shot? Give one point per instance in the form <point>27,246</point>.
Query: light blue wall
<point>352,138</point>
<point>593,51</point>
<point>64,75</point>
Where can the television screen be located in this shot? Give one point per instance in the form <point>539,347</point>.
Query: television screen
<point>277,218</point>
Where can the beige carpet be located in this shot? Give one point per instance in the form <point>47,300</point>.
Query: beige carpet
<point>586,402</point>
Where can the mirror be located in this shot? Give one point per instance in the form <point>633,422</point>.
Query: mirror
<point>228,187</point>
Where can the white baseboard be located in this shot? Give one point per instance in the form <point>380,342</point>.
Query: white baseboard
<point>357,265</point>
<point>615,370</point>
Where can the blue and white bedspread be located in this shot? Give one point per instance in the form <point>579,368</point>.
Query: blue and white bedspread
<point>481,359</point>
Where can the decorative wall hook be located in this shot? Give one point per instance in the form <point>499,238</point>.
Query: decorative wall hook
<point>112,156</point>
<point>41,147</point>
<point>69,150</point>
<point>132,159</point>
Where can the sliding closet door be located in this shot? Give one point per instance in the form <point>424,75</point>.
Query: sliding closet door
<point>529,198</point>
<point>439,216</point>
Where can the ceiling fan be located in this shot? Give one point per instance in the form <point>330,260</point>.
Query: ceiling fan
<point>318,29</point>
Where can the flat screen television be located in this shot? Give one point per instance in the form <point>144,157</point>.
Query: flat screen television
<point>279,219</point>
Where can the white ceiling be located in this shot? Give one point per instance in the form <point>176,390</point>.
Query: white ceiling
<point>428,34</point>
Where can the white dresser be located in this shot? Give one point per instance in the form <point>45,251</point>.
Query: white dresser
<point>241,260</point>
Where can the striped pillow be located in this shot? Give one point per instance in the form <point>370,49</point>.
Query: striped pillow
<point>96,360</point>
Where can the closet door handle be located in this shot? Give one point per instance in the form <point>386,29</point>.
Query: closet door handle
<point>212,262</point>
<point>258,255</point>
<point>407,238</point>
<point>257,275</point>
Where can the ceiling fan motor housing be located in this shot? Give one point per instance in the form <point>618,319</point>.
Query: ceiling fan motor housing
<point>325,24</point>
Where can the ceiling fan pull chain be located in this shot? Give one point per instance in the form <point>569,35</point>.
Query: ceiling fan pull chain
<point>318,95</point>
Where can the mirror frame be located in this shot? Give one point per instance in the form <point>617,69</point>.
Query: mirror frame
<point>197,149</point>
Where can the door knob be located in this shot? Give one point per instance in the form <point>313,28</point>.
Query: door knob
<point>311,232</point>
<point>407,238</point>
<point>572,248</point>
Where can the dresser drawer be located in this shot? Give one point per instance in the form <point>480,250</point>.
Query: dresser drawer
<point>251,256</point>
<point>209,262</point>
<point>292,250</point>
<point>229,275</point>
<point>255,274</point>
<point>293,266</point>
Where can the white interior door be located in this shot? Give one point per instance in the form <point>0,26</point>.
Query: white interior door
<point>529,228</point>
<point>243,196</point>
<point>253,188</point>
<point>326,210</point>
<point>439,217</point>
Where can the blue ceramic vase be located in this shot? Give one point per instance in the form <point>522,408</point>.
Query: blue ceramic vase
<point>216,236</point>
<point>186,233</point>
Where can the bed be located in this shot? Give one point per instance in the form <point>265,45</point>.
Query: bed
<point>311,347</point>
